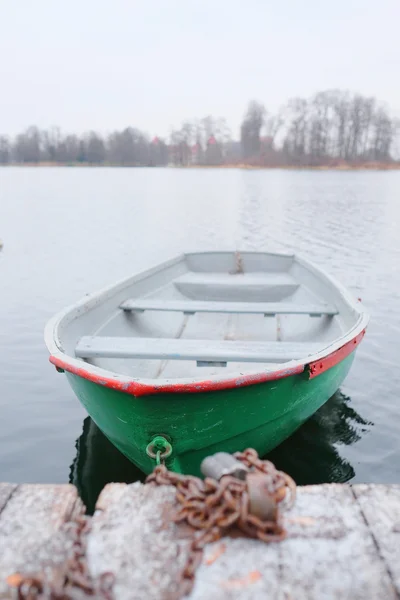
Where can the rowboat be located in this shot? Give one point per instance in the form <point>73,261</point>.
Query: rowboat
<point>317,459</point>
<point>207,352</point>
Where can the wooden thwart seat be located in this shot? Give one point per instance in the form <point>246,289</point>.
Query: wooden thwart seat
<point>192,307</point>
<point>249,286</point>
<point>202,351</point>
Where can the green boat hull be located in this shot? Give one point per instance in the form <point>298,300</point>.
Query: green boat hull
<point>260,416</point>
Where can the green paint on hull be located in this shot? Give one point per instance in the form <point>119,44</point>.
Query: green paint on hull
<point>260,416</point>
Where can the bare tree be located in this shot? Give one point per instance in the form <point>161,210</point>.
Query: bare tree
<point>336,125</point>
<point>27,146</point>
<point>124,147</point>
<point>251,129</point>
<point>180,149</point>
<point>384,131</point>
<point>331,126</point>
<point>273,124</point>
<point>51,141</point>
<point>95,152</point>
<point>294,144</point>
<point>341,110</point>
<point>69,149</point>
<point>5,150</point>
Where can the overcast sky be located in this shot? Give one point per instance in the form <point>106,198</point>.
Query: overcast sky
<point>97,64</point>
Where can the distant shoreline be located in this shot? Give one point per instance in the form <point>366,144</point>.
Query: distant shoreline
<point>367,166</point>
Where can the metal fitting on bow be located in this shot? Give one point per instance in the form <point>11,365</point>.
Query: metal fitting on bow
<point>159,449</point>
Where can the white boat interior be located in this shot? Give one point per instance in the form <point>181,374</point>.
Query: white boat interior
<point>210,314</point>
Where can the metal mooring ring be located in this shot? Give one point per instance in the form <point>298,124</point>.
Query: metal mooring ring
<point>159,449</point>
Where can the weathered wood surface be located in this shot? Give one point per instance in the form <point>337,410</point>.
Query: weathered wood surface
<point>6,489</point>
<point>31,528</point>
<point>331,550</point>
<point>380,506</point>
<point>343,542</point>
<point>132,535</point>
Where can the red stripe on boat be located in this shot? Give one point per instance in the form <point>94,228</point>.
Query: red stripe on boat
<point>320,366</point>
<point>143,389</point>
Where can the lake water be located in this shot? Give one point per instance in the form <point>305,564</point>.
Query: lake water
<point>70,231</point>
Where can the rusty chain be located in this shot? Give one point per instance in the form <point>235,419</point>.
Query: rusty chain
<point>209,506</point>
<point>213,507</point>
<point>69,581</point>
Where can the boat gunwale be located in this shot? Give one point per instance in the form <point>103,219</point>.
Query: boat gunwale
<point>335,352</point>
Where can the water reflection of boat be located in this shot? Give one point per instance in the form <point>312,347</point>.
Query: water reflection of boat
<point>310,455</point>
<point>98,462</point>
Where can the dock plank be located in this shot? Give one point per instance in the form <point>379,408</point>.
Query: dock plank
<point>132,536</point>
<point>245,569</point>
<point>6,490</point>
<point>330,551</point>
<point>380,505</point>
<point>31,532</point>
<point>334,556</point>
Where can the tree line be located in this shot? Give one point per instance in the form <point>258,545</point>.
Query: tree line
<point>332,127</point>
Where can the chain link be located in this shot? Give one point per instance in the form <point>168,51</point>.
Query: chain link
<point>68,581</point>
<point>213,507</point>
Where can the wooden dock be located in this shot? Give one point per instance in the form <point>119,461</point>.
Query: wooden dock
<point>343,542</point>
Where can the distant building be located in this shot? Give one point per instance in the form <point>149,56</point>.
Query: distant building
<point>267,142</point>
<point>214,154</point>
